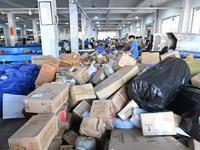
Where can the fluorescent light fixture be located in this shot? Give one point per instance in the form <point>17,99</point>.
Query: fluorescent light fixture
<point>97,22</point>
<point>30,12</point>
<point>123,25</point>
<point>24,26</point>
<point>37,22</point>
<point>98,25</point>
<point>120,27</point>
<point>136,17</point>
<point>99,29</point>
<point>6,23</point>
<point>96,17</point>
<point>67,23</point>
<point>17,17</point>
<point>2,12</point>
<point>128,22</point>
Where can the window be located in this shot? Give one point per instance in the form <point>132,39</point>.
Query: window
<point>196,21</point>
<point>138,30</point>
<point>170,24</point>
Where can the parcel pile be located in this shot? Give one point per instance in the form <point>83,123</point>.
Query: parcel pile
<point>132,106</point>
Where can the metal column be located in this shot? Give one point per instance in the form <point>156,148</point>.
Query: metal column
<point>49,27</point>
<point>184,17</point>
<point>64,34</point>
<point>73,12</point>
<point>35,30</point>
<point>83,23</point>
<point>12,29</point>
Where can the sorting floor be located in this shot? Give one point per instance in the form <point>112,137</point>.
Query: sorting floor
<point>7,129</point>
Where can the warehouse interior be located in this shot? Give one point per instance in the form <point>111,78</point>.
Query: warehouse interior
<point>99,75</point>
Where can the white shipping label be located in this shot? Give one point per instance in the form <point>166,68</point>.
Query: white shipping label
<point>37,95</point>
<point>80,148</point>
<point>75,56</point>
<point>102,76</point>
<point>86,114</point>
<point>72,69</point>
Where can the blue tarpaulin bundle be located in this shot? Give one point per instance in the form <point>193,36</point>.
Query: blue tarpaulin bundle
<point>100,49</point>
<point>109,51</point>
<point>17,78</point>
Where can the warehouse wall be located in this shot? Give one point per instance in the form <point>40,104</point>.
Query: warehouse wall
<point>105,34</point>
<point>137,24</point>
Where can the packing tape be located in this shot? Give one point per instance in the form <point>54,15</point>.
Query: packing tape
<point>158,123</point>
<point>83,92</point>
<point>121,96</point>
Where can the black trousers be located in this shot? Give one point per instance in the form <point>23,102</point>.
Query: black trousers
<point>91,43</point>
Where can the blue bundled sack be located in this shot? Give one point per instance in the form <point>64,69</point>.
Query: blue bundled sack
<point>109,51</point>
<point>100,49</point>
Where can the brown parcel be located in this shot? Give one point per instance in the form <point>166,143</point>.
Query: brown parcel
<point>177,120</point>
<point>103,109</point>
<point>196,80</point>
<point>70,137</point>
<point>79,74</point>
<point>161,123</point>
<point>47,73</point>
<point>104,53</point>
<point>127,111</point>
<point>110,56</point>
<point>170,54</point>
<point>36,134</point>
<point>94,127</point>
<point>193,144</point>
<point>150,58</point>
<point>68,123</point>
<point>99,77</point>
<point>188,55</point>
<point>72,58</point>
<point>61,72</point>
<point>38,60</point>
<point>84,56</point>
<point>124,60</point>
<point>81,92</point>
<point>81,110</point>
<point>66,147</point>
<point>48,98</point>
<point>119,99</point>
<point>132,139</point>
<point>110,85</point>
<point>55,145</point>
<point>60,134</point>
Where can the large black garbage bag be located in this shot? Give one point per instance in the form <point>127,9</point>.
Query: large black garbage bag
<point>187,104</point>
<point>156,87</point>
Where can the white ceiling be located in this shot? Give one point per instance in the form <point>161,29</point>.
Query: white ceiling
<point>108,19</point>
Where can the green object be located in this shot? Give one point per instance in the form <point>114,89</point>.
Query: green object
<point>70,137</point>
<point>194,65</point>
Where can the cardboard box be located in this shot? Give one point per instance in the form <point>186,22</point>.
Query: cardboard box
<point>103,109</point>
<point>183,141</point>
<point>127,111</point>
<point>142,67</point>
<point>188,55</point>
<point>70,137</point>
<point>124,60</point>
<point>84,56</point>
<point>66,147</point>
<point>110,56</point>
<point>62,113</point>
<point>81,92</point>
<point>196,80</point>
<point>119,99</point>
<point>104,53</point>
<point>170,54</point>
<point>161,123</point>
<point>61,72</point>
<point>80,74</point>
<point>132,139</point>
<point>81,110</point>
<point>38,60</point>
<point>72,58</point>
<point>177,120</point>
<point>150,58</point>
<point>102,60</point>
<point>37,133</point>
<point>193,144</point>
<point>48,70</point>
<point>94,127</point>
<point>55,145</point>
<point>68,123</point>
<point>110,85</point>
<point>98,65</point>
<point>60,134</point>
<point>48,98</point>
<point>99,77</point>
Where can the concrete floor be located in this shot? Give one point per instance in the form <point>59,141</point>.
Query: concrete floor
<point>7,128</point>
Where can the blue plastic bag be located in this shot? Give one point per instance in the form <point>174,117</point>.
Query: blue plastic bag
<point>109,51</point>
<point>100,49</point>
<point>120,124</point>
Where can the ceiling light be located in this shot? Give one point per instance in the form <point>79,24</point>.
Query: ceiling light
<point>136,17</point>
<point>97,22</point>
<point>2,12</point>
<point>98,25</point>
<point>99,29</point>
<point>96,17</point>
<point>30,12</point>
<point>120,27</point>
<point>128,22</point>
<point>6,23</point>
<point>67,23</point>
<point>93,5</point>
<point>24,26</point>
<point>37,22</point>
<point>123,25</point>
<point>151,4</point>
<point>17,17</point>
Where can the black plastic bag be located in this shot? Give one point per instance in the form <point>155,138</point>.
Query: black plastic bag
<point>187,104</point>
<point>156,87</point>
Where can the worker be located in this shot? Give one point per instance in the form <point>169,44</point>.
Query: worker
<point>91,42</point>
<point>107,42</point>
<point>134,47</point>
<point>147,44</point>
<point>66,46</point>
<point>140,42</point>
<point>80,41</point>
<point>86,43</point>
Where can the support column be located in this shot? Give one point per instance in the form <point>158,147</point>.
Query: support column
<point>12,28</point>
<point>83,23</point>
<point>23,31</point>
<point>49,27</point>
<point>88,30</point>
<point>142,32</point>
<point>184,21</point>
<point>35,30</point>
<point>73,12</point>
<point>64,34</point>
